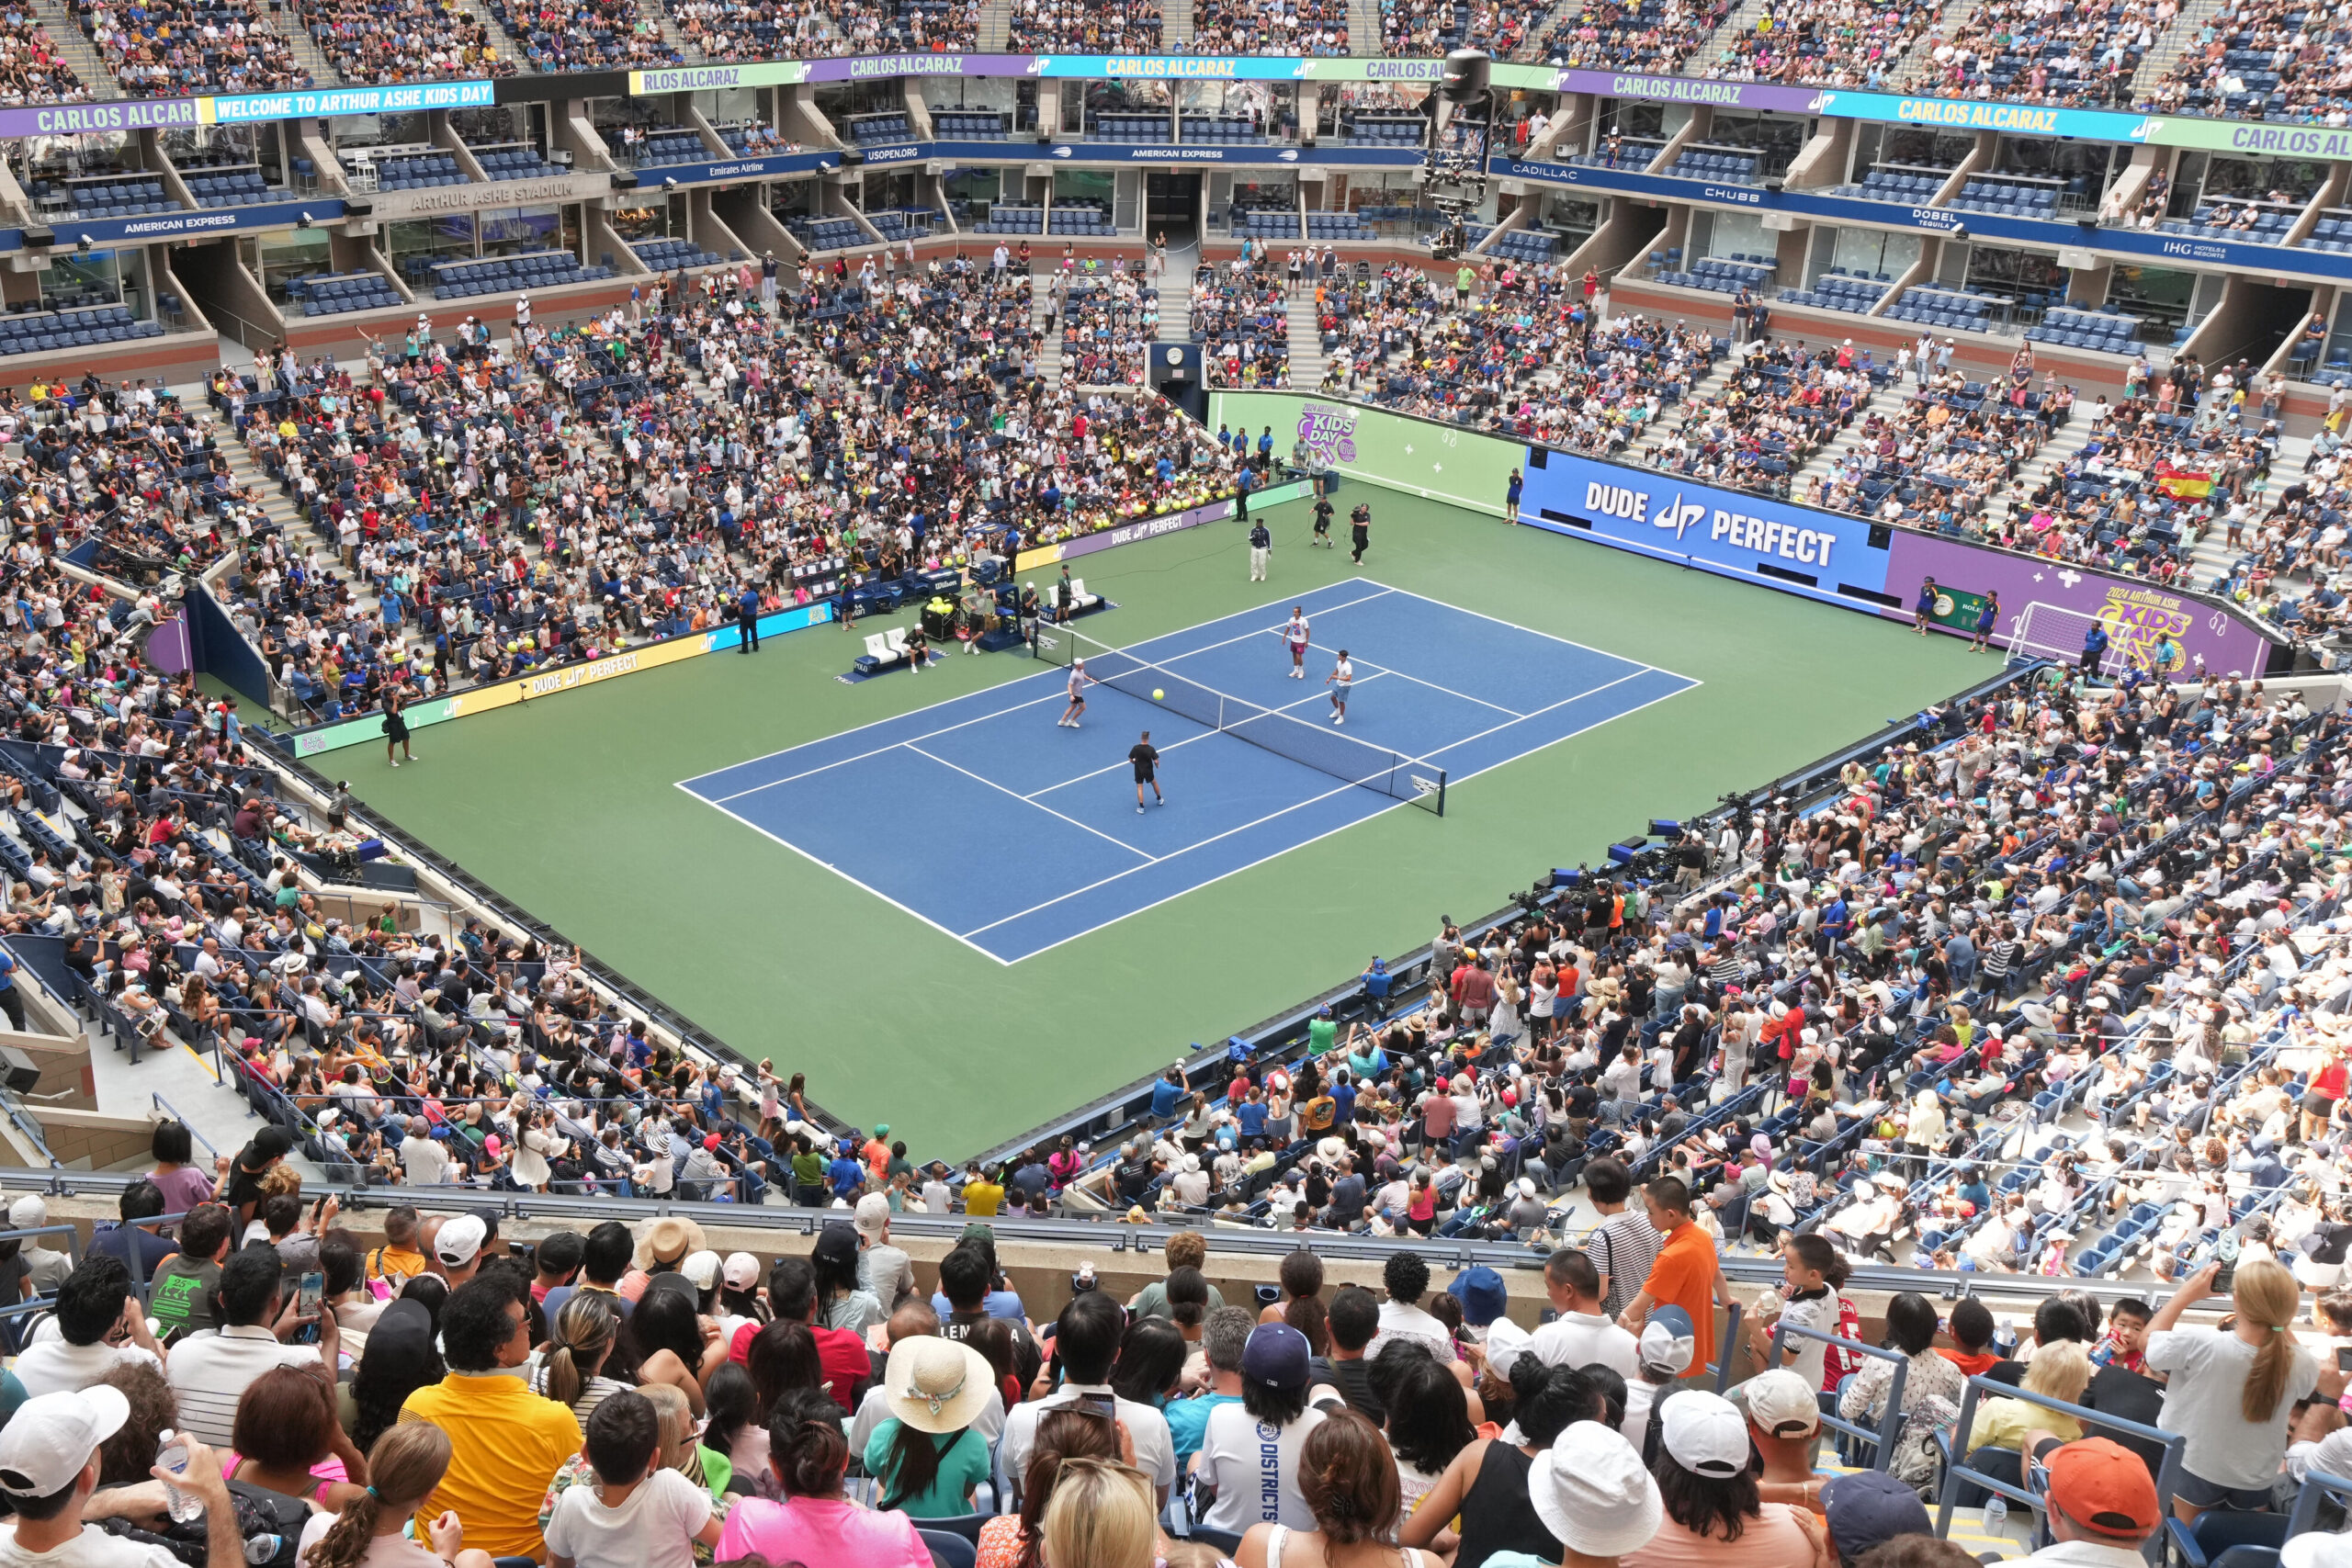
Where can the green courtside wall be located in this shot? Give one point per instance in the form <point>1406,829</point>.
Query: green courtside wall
<point>1460,468</point>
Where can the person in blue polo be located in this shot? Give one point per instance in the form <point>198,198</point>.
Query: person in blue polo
<point>1923,610</point>
<point>2094,648</point>
<point>1266,451</point>
<point>747,611</point>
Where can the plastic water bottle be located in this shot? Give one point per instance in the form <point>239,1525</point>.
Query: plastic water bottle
<point>1997,1515</point>
<point>260,1548</point>
<point>184,1507</point>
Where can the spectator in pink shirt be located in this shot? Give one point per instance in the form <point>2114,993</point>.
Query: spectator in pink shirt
<point>815,1524</point>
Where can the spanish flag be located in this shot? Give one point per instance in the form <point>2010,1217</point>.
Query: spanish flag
<point>2183,484</point>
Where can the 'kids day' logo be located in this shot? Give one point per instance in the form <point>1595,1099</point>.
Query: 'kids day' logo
<point>1329,433</point>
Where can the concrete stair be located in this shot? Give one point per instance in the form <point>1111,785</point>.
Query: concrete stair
<point>1049,343</point>
<point>305,48</point>
<point>996,20</point>
<point>1363,28</point>
<point>1305,342</point>
<point>1176,25</point>
<point>75,47</point>
<point>1717,378</point>
<point>2213,554</point>
<point>2173,42</point>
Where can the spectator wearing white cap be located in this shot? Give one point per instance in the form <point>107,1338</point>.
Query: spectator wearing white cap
<point>1706,1477</point>
<point>882,1268</point>
<point>457,1246</point>
<point>1667,1350</point>
<point>48,1468</point>
<point>1590,1491</point>
<point>47,1267</point>
<point>1783,1417</point>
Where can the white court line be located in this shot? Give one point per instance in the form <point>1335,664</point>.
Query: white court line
<point>1026,801</point>
<point>845,876</point>
<point>994,713</point>
<point>1432,686</point>
<point>1589,691</point>
<point>1531,631</point>
<point>1319,838</point>
<point>1204,734</point>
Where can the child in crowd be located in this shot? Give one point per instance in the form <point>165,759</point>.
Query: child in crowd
<point>636,1515</point>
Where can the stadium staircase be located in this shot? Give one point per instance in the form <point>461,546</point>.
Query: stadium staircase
<point>1363,29</point>
<point>1176,25</point>
<point>1305,342</point>
<point>75,47</point>
<point>995,23</point>
<point>2174,41</point>
<point>1049,343</point>
<point>306,49</point>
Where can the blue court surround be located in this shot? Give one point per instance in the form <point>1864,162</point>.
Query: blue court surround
<point>982,818</point>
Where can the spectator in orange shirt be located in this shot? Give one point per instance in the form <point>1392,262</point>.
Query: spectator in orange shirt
<point>1687,1273</point>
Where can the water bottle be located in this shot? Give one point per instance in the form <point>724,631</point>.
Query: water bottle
<point>260,1548</point>
<point>1997,1514</point>
<point>184,1507</point>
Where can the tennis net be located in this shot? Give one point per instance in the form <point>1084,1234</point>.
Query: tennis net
<point>1360,763</point>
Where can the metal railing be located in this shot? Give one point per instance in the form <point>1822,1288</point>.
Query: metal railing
<point>1947,1492</point>
<point>1890,1426</point>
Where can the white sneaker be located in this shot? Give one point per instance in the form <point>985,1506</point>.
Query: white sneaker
<point>396,765</point>
<point>1138,810</point>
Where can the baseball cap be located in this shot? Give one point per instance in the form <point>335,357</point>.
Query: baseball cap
<point>1277,1355</point>
<point>51,1436</point>
<point>702,1268</point>
<point>2317,1549</point>
<point>1592,1494</point>
<point>1779,1403</point>
<point>741,1272</point>
<point>2104,1487</point>
<point>1482,1293</point>
<point>873,1214</point>
<point>1870,1506</point>
<point>27,1213</point>
<point>1669,1342</point>
<point>1706,1433</point>
<point>836,1245</point>
<point>459,1241</point>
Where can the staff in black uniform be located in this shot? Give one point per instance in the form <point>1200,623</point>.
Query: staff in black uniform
<point>1359,522</point>
<point>395,730</point>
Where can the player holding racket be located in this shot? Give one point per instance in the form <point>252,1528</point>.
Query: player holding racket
<point>1079,681</point>
<point>1295,633</point>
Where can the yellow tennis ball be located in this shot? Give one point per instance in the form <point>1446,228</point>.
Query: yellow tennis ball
<point>1157,694</point>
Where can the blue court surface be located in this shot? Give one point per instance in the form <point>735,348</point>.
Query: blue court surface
<point>985,821</point>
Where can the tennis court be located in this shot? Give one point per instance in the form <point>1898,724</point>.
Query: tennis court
<point>1049,844</point>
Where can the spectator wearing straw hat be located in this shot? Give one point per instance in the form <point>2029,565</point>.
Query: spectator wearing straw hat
<point>927,1456</point>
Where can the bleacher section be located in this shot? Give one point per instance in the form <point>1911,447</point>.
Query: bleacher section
<point>2008,198</point>
<point>672,146</point>
<point>1717,164</point>
<point>1533,246</point>
<point>419,171</point>
<point>511,275</point>
<point>518,163</point>
<point>2107,331</point>
<point>898,223</point>
<point>1220,130</point>
<point>962,125</point>
<point>879,129</point>
<point>827,234</point>
<point>1911,187</point>
<point>1137,129</point>
<point>124,196</point>
<point>1003,219</point>
<point>1835,290</point>
<point>50,330</point>
<point>2333,232</point>
<point>1082,219</point>
<point>224,183</point>
<point>1366,131</point>
<point>1266,223</point>
<point>1948,310</point>
<point>1321,226</point>
<point>1724,275</point>
<point>2246,223</point>
<point>670,255</point>
<point>338,294</point>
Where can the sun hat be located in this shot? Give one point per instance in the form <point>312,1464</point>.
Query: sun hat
<point>1593,1495</point>
<point>51,1437</point>
<point>1706,1433</point>
<point>1482,1293</point>
<point>666,1240</point>
<point>1779,1403</point>
<point>937,1385</point>
<point>1868,1507</point>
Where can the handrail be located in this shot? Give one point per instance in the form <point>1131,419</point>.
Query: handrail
<point>2167,1475</point>
<point>1890,1425</point>
<point>157,1102</point>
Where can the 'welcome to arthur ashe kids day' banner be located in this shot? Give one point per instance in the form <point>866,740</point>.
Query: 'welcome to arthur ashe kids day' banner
<point>1826,556</point>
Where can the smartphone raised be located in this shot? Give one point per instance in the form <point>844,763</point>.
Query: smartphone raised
<point>2343,1358</point>
<point>308,1292</point>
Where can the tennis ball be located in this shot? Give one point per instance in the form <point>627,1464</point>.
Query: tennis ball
<point>1157,694</point>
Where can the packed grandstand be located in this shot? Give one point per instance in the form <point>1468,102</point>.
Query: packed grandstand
<point>1934,1154</point>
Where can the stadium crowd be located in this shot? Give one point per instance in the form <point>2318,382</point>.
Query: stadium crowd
<point>402,40</point>
<point>32,71</point>
<point>172,47</point>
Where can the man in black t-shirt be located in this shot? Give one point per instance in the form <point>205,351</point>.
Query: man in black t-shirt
<point>1359,523</point>
<point>1323,523</point>
<point>1146,757</point>
<point>1354,1319</point>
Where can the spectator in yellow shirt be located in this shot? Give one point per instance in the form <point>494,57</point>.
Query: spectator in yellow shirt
<point>983,1194</point>
<point>506,1443</point>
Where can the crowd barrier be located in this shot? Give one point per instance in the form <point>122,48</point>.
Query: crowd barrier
<point>1828,557</point>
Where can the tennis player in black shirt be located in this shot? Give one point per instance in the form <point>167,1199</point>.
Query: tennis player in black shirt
<point>1146,757</point>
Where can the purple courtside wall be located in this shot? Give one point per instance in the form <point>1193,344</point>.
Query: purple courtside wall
<point>2136,612</point>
